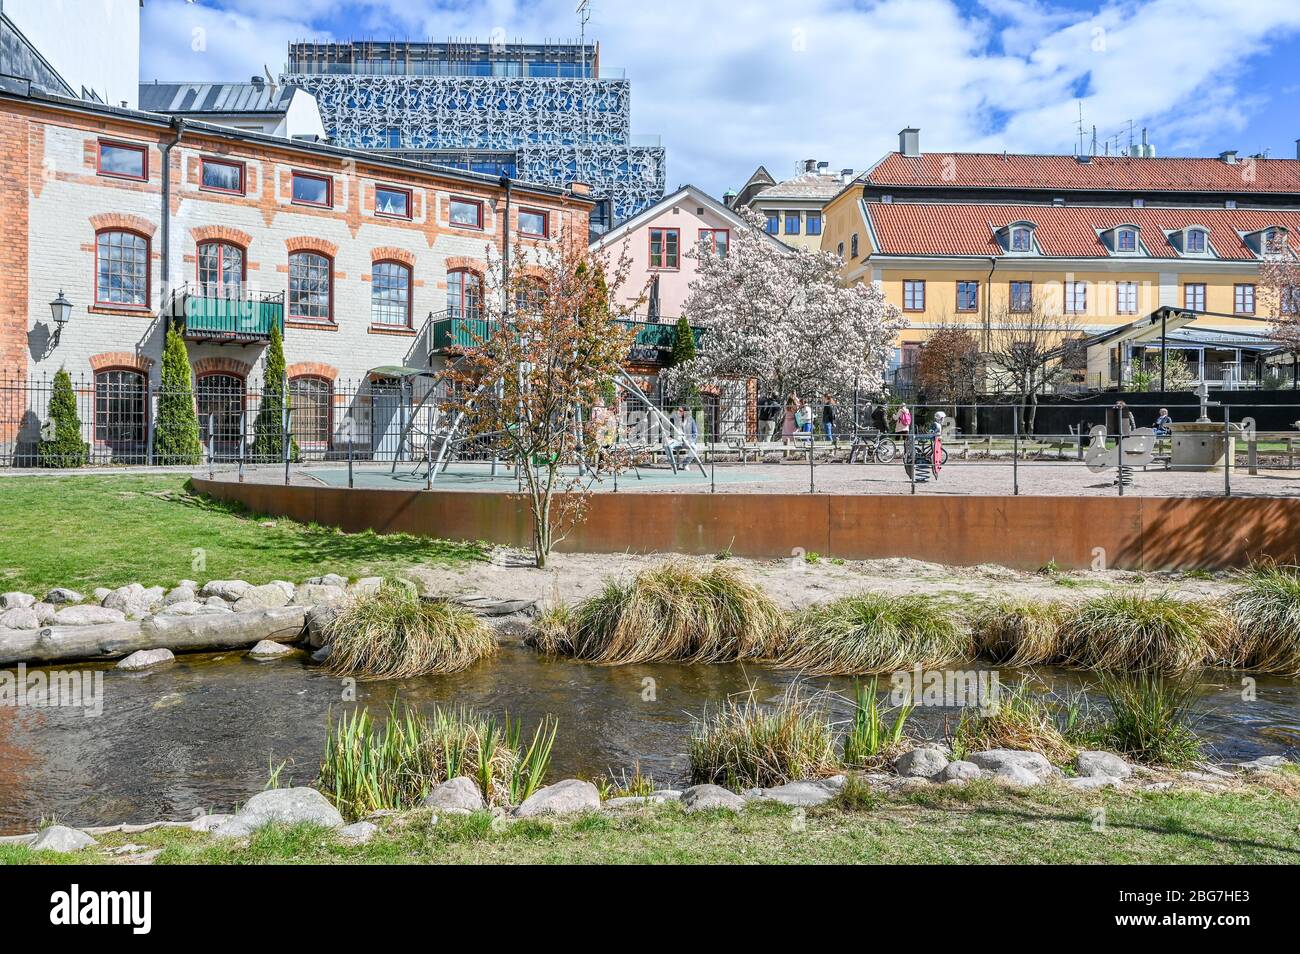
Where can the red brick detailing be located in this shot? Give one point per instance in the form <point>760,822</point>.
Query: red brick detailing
<point>17,141</point>
<point>220,233</point>
<point>533,270</point>
<point>391,330</point>
<point>312,369</point>
<point>120,359</point>
<point>460,261</point>
<point>221,365</point>
<point>120,220</point>
<point>310,243</point>
<point>388,253</point>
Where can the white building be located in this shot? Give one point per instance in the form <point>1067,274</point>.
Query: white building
<point>255,106</point>
<point>92,45</point>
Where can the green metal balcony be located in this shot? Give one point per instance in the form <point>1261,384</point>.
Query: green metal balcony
<point>230,316</point>
<point>653,344</point>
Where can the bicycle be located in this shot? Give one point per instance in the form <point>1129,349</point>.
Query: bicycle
<point>876,446</point>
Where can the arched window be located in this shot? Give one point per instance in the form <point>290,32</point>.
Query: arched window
<point>222,269</point>
<point>312,401</point>
<point>121,269</point>
<point>310,282</point>
<point>219,399</point>
<point>464,294</point>
<point>121,412</point>
<point>530,296</point>
<point>390,294</point>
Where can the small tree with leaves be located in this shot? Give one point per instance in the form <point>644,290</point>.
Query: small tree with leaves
<point>528,387</point>
<point>61,444</point>
<point>268,430</point>
<point>176,429</point>
<point>947,369</point>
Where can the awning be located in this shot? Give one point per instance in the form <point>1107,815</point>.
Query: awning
<point>401,372</point>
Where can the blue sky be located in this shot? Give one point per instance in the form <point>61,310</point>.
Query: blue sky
<point>730,85</point>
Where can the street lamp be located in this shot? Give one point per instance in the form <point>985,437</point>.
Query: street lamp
<point>61,310</point>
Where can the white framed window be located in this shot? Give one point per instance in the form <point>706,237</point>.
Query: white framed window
<point>1076,297</point>
<point>1126,298</point>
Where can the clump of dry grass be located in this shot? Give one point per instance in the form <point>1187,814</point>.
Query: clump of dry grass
<point>1018,632</point>
<point>1265,609</point>
<point>393,634</point>
<point>748,744</point>
<point>1138,633</point>
<point>1018,720</point>
<point>676,611</point>
<point>873,634</point>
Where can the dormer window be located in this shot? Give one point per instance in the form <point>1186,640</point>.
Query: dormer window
<point>1269,241</point>
<point>1017,238</point>
<point>1196,242</point>
<point>1126,240</point>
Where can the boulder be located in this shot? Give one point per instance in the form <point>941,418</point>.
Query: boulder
<point>960,772</point>
<point>700,798</point>
<point>563,798</point>
<point>799,794</point>
<point>100,593</point>
<point>458,796</point>
<point>491,606</point>
<point>329,579</point>
<point>1089,783</point>
<point>61,594</point>
<point>1017,776</point>
<point>215,601</point>
<point>635,801</point>
<point>358,833</point>
<point>229,590</point>
<point>20,617</point>
<point>191,608</point>
<point>367,585</point>
<point>207,823</point>
<point>995,760</point>
<point>921,763</point>
<point>16,600</point>
<point>45,612</point>
<point>1101,764</point>
<point>268,596</point>
<point>269,649</point>
<point>288,806</point>
<point>62,839</point>
<point>134,600</point>
<point>146,659</point>
<point>1265,763</point>
<point>319,618</point>
<point>318,594</point>
<point>88,615</point>
<point>181,594</point>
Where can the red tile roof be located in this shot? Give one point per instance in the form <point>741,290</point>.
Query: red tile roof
<point>1106,173</point>
<point>908,228</point>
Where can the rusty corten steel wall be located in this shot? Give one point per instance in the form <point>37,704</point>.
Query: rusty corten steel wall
<point>1073,532</point>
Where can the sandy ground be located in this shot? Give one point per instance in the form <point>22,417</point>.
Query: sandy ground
<point>571,577</point>
<point>958,478</point>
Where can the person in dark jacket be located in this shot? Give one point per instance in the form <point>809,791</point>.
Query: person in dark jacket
<point>878,417</point>
<point>828,417</point>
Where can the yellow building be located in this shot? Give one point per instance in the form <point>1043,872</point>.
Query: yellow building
<point>793,208</point>
<point>1096,243</point>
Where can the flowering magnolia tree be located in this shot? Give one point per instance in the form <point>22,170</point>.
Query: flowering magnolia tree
<point>782,316</point>
<point>1279,291</point>
<point>535,387</point>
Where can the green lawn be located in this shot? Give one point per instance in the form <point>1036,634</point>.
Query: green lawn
<point>89,531</point>
<point>977,824</point>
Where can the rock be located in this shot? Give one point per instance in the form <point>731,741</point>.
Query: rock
<point>358,833</point>
<point>16,600</point>
<point>181,594</point>
<point>286,586</point>
<point>62,839</point>
<point>1265,763</point>
<point>1088,783</point>
<point>1102,764</point>
<point>289,806</point>
<point>192,608</point>
<point>20,617</point>
<point>134,600</point>
<point>994,760</point>
<point>317,594</point>
<point>208,823</point>
<point>1017,776</point>
<point>44,612</point>
<point>329,579</point>
<point>101,593</point>
<point>799,794</point>
<point>229,590</point>
<point>321,655</point>
<point>563,798</point>
<point>146,659</point>
<point>188,584</point>
<point>921,763</point>
<point>88,615</point>
<point>61,594</point>
<point>667,794</point>
<point>960,772</point>
<point>234,828</point>
<point>367,585</point>
<point>216,602</point>
<point>459,796</point>
<point>700,798</point>
<point>269,649</point>
<point>319,618</point>
<point>268,596</point>
<point>634,801</point>
<point>490,606</point>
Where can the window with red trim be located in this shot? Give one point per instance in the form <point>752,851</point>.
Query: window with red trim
<point>311,277</point>
<point>221,175</point>
<point>314,190</point>
<point>222,269</point>
<point>121,269</point>
<point>534,223</point>
<point>392,202</point>
<point>665,248</point>
<point>312,399</point>
<point>464,294</point>
<point>390,294</point>
<point>466,213</point>
<point>122,160</point>
<point>716,241</point>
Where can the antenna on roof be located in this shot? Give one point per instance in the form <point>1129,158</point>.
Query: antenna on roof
<point>1079,125</point>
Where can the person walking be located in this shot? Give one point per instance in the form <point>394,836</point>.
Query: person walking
<point>805,418</point>
<point>828,417</point>
<point>878,418</point>
<point>788,423</point>
<point>769,409</point>
<point>903,419</point>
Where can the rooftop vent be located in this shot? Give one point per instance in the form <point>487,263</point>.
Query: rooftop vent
<point>810,165</point>
<point>1229,156</point>
<point>909,141</point>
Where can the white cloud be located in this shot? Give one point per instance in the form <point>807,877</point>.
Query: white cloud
<point>731,85</point>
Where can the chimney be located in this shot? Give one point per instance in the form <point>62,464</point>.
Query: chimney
<point>1229,156</point>
<point>810,165</point>
<point>257,81</point>
<point>823,165</point>
<point>846,175</point>
<point>580,188</point>
<point>909,141</point>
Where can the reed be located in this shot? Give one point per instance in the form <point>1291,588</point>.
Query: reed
<point>1265,610</point>
<point>1019,719</point>
<point>1136,633</point>
<point>1152,718</point>
<point>1018,632</point>
<point>875,733</point>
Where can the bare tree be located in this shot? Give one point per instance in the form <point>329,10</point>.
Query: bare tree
<point>1279,293</point>
<point>1030,352</point>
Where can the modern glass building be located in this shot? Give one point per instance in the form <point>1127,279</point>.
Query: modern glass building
<point>542,112</point>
